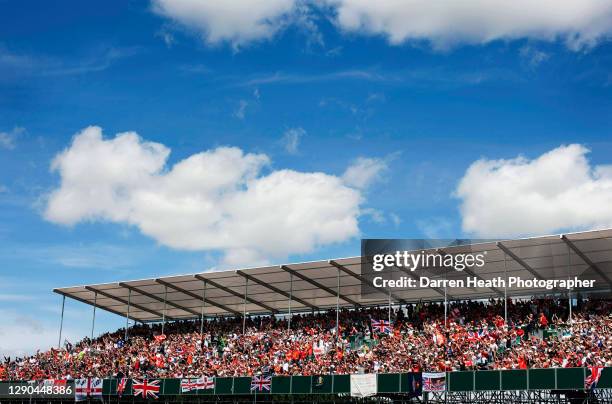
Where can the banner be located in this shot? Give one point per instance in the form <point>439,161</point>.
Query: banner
<point>434,381</point>
<point>87,388</point>
<point>202,383</point>
<point>364,385</point>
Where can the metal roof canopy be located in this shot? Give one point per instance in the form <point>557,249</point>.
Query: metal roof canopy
<point>313,285</point>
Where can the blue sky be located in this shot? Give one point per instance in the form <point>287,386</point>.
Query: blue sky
<point>311,91</point>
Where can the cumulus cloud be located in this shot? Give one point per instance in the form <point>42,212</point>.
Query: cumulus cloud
<point>236,21</point>
<point>221,199</point>
<point>291,139</point>
<point>364,171</point>
<point>557,191</point>
<point>447,22</point>
<point>443,23</point>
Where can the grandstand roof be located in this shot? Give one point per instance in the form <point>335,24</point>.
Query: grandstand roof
<point>314,283</point>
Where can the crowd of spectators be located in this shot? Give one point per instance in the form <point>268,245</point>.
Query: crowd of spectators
<point>473,335</point>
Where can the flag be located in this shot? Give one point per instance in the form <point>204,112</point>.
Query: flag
<point>160,337</point>
<point>364,385</point>
<point>482,333</point>
<point>121,385</point>
<point>146,388</point>
<point>86,388</point>
<point>382,326</point>
<point>261,383</point>
<point>54,382</point>
<point>203,383</point>
<point>434,381</point>
<point>439,338</point>
<point>593,375</point>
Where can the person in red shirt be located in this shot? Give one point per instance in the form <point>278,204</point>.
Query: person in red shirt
<point>543,321</point>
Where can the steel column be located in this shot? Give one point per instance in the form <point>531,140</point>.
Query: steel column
<point>505,290</point>
<point>164,312</point>
<point>569,291</point>
<point>290,298</point>
<point>127,314</point>
<point>246,292</point>
<point>203,307</point>
<point>93,320</point>
<point>338,309</point>
<point>59,342</point>
<point>389,308</point>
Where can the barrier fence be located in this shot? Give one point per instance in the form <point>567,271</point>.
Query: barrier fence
<point>459,381</point>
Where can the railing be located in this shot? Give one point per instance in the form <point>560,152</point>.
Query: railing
<point>402,383</point>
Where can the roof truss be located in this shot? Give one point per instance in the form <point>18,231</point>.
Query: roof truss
<point>233,292</point>
<point>320,286</point>
<point>159,299</point>
<point>277,290</point>
<point>201,298</point>
<point>367,281</point>
<point>121,300</point>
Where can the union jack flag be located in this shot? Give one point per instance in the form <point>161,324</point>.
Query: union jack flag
<point>382,326</point>
<point>261,383</point>
<point>146,388</point>
<point>121,386</point>
<point>590,382</point>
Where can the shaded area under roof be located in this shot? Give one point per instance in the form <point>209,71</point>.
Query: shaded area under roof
<point>313,285</point>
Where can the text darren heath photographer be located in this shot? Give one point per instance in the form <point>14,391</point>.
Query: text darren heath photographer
<point>411,261</point>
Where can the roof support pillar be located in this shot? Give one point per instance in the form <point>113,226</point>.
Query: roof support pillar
<point>59,341</point>
<point>389,308</point>
<point>338,310</point>
<point>203,307</point>
<point>246,294</point>
<point>290,299</point>
<point>127,315</point>
<point>569,291</point>
<point>93,320</point>
<point>164,312</point>
<point>505,290</point>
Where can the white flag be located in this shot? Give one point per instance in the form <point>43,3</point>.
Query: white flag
<point>90,387</point>
<point>364,385</point>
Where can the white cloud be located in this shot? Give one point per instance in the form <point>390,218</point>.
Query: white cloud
<point>443,23</point>
<point>364,171</point>
<point>237,21</point>
<point>291,139</point>
<point>8,139</point>
<point>449,22</point>
<point>557,191</point>
<point>220,199</point>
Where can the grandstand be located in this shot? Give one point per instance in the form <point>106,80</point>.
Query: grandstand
<point>236,327</point>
